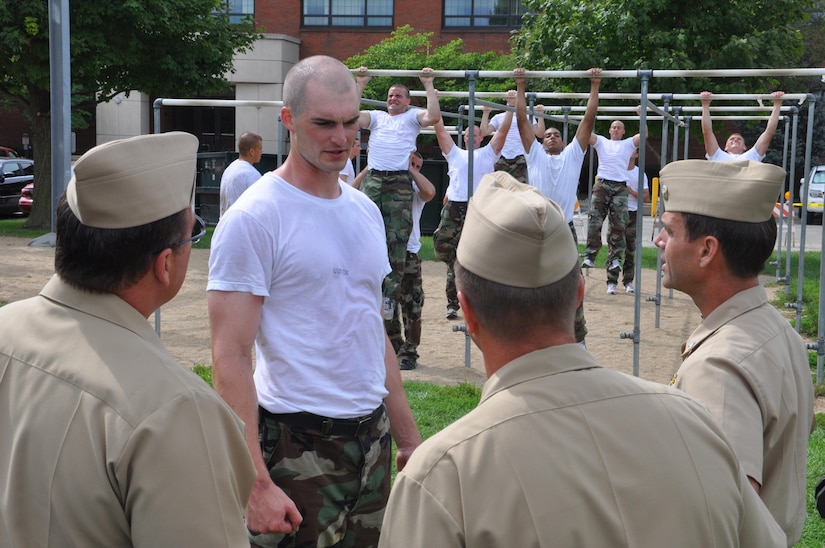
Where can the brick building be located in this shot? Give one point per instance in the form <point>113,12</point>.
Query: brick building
<point>293,29</point>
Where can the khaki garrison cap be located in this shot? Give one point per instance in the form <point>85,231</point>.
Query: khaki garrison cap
<point>737,191</point>
<point>134,182</point>
<point>515,236</point>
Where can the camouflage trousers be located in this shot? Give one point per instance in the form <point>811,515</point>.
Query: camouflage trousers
<point>609,200</point>
<point>517,167</point>
<point>580,325</point>
<point>445,243</point>
<point>411,304</point>
<point>340,484</point>
<point>629,264</point>
<point>392,192</point>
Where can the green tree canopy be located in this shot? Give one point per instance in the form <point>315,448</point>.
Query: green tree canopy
<point>663,34</point>
<point>405,49</point>
<point>159,47</point>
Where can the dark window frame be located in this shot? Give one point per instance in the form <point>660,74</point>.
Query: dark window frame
<point>512,20</point>
<point>337,20</point>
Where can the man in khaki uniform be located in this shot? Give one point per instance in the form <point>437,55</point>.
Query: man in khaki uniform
<point>560,450</point>
<point>744,362</point>
<point>105,440</point>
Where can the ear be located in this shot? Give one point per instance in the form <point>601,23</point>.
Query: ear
<point>709,251</point>
<point>162,266</point>
<point>286,118</point>
<point>469,314</point>
<point>580,292</point>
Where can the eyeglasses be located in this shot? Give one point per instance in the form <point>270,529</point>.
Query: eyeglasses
<point>198,232</point>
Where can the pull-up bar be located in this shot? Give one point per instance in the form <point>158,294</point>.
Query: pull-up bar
<point>715,73</point>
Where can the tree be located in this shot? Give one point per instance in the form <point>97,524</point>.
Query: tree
<point>406,50</point>
<point>159,47</point>
<point>662,34</point>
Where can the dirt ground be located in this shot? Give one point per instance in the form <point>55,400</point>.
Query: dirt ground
<point>184,324</point>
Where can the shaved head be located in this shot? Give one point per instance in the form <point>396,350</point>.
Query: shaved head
<point>321,70</point>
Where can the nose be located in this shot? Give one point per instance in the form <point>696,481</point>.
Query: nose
<point>661,239</point>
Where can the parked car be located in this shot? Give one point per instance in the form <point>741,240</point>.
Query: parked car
<point>816,195</point>
<point>6,152</point>
<point>26,198</point>
<point>15,173</point>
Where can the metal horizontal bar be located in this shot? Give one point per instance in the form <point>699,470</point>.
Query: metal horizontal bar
<point>714,73</point>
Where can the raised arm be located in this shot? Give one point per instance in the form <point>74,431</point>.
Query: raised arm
<point>585,129</point>
<point>538,126</point>
<point>234,318</point>
<point>497,142</point>
<point>361,81</point>
<point>432,114</point>
<point>764,140</point>
<point>711,144</point>
<point>525,129</point>
<point>359,179</point>
<point>426,190</point>
<point>445,140</point>
<point>486,127</point>
<point>638,137</point>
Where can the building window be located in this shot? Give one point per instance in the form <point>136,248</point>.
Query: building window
<point>483,13</point>
<point>347,13</point>
<point>238,9</point>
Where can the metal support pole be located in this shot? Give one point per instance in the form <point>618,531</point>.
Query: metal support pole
<point>803,194</point>
<point>637,309</point>
<point>471,75</point>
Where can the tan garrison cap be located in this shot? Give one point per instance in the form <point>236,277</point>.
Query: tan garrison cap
<point>515,236</point>
<point>737,191</point>
<point>133,182</point>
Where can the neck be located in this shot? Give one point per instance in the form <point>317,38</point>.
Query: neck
<point>715,294</point>
<point>308,178</point>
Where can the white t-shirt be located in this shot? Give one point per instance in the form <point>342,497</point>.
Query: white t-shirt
<point>392,139</point>
<point>614,157</point>
<point>512,143</point>
<point>722,156</point>
<point>414,243</point>
<point>632,179</point>
<point>484,161</point>
<point>348,172</point>
<point>319,265</point>
<point>557,176</point>
<point>236,178</point>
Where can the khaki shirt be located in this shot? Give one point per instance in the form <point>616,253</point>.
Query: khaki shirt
<point>750,368</point>
<point>105,440</point>
<point>563,452</point>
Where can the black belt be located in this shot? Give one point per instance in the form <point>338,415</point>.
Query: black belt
<point>328,426</point>
<point>613,182</point>
<point>380,173</point>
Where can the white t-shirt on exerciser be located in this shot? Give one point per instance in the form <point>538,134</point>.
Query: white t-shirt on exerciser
<point>319,265</point>
<point>236,178</point>
<point>512,143</point>
<point>349,172</point>
<point>392,139</point>
<point>614,156</point>
<point>557,176</point>
<point>722,156</point>
<point>632,179</point>
<point>414,243</point>
<point>484,161</point>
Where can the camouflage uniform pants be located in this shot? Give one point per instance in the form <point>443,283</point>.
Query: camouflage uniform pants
<point>609,200</point>
<point>392,193</point>
<point>629,265</point>
<point>445,243</point>
<point>517,167</point>
<point>411,304</point>
<point>339,483</point>
<point>580,325</point>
